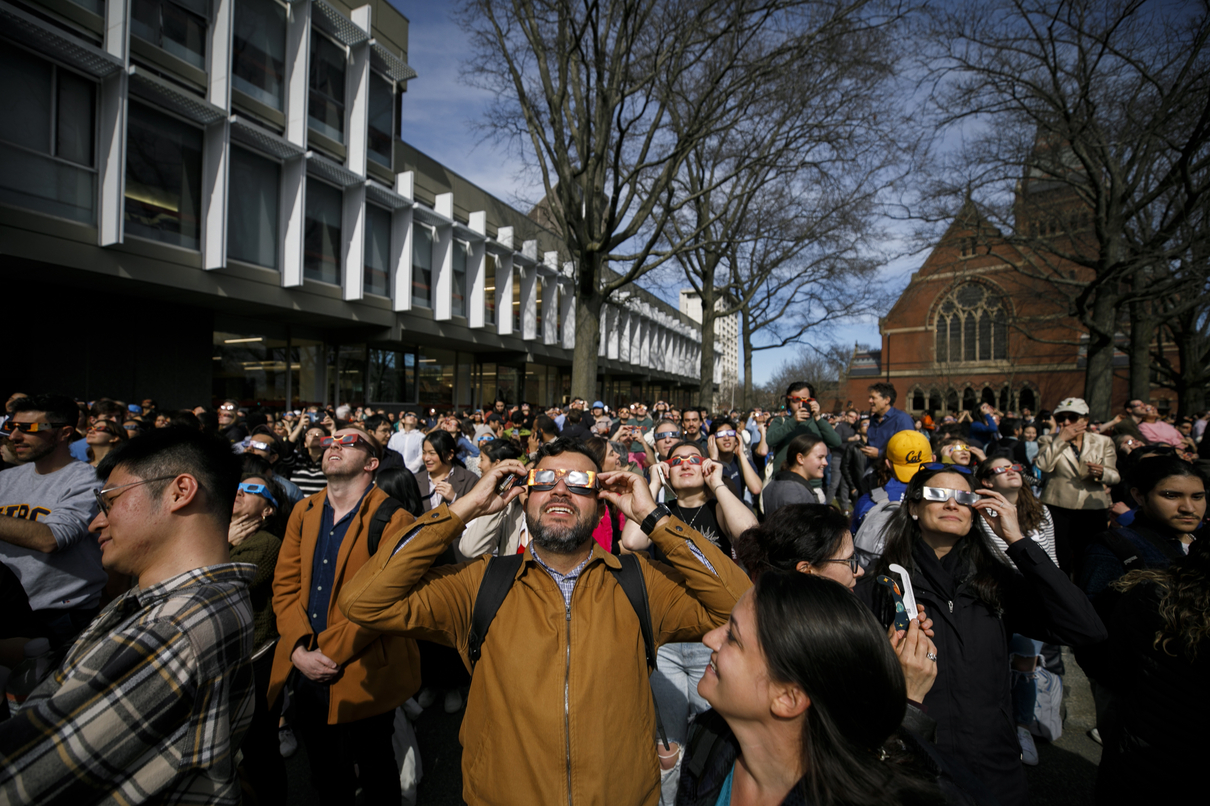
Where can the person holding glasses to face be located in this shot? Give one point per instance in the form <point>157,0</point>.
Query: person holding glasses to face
<point>46,504</point>
<point>976,601</point>
<point>803,417</point>
<point>1080,465</point>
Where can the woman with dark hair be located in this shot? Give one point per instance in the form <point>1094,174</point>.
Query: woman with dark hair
<point>398,482</point>
<point>258,522</point>
<point>1159,622</point>
<point>444,477</point>
<point>805,694</point>
<point>503,532</point>
<point>977,601</point>
<point>609,530</point>
<point>806,461</point>
<point>102,437</point>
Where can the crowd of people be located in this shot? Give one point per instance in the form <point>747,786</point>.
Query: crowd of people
<point>636,604</point>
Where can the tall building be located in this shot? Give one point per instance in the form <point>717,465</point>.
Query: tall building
<point>211,198</point>
<point>726,348</point>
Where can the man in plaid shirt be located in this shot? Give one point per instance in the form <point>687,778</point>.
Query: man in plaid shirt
<point>151,701</point>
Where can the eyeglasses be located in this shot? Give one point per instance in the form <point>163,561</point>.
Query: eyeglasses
<point>850,561</point>
<point>580,482</point>
<point>226,407</point>
<point>943,466</point>
<point>945,494</point>
<point>345,441</point>
<point>1000,471</point>
<point>258,489</point>
<point>1066,418</point>
<point>31,428</point>
<point>959,447</point>
<point>102,430</point>
<point>677,461</point>
<point>668,435</point>
<point>105,503</point>
<point>724,433</point>
<point>796,399</point>
<point>254,445</point>
<point>133,427</point>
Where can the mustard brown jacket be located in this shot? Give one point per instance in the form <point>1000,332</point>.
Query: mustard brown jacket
<point>378,672</point>
<point>560,708</point>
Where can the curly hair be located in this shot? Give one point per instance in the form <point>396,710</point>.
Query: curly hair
<point>1184,602</point>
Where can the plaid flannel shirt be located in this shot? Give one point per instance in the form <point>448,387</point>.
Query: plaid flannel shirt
<point>149,705</point>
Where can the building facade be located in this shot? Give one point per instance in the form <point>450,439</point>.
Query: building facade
<point>215,200</point>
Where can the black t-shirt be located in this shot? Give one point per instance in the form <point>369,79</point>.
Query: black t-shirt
<point>703,520</point>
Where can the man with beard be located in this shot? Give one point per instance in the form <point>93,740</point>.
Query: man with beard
<point>346,680</point>
<point>46,504</point>
<point>559,700</point>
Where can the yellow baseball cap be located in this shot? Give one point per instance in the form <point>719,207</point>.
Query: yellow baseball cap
<point>907,451</point>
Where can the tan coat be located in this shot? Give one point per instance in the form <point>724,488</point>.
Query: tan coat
<point>378,672</point>
<point>1071,485</point>
<point>560,709</point>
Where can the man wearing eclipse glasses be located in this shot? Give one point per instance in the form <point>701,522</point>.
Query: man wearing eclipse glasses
<point>562,682</point>
<point>346,680</point>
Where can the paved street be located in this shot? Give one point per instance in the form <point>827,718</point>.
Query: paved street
<point>1064,776</point>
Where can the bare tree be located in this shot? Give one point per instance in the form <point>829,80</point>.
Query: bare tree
<point>590,91</point>
<point>1085,126</point>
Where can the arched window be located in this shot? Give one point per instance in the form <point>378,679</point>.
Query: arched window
<point>951,401</point>
<point>972,325</point>
<point>1028,400</point>
<point>988,396</point>
<point>969,400</point>
<point>934,400</point>
<point>918,400</point>
<point>1006,399</point>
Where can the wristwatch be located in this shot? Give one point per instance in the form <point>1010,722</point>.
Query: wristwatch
<point>648,524</point>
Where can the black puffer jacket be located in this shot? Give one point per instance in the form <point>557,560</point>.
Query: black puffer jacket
<point>970,699</point>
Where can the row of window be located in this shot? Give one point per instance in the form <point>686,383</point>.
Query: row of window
<point>949,402</point>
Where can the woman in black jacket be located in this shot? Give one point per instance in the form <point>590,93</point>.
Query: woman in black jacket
<point>976,602</point>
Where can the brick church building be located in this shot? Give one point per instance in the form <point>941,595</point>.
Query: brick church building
<point>971,328</point>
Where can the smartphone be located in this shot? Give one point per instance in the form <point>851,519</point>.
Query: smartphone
<point>508,482</point>
<point>314,415</point>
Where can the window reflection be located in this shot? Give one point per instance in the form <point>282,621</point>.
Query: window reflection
<point>321,234</point>
<point>258,50</point>
<point>163,178</point>
<point>177,26</point>
<point>422,266</point>
<point>378,253</point>
<point>252,208</point>
<point>326,110</point>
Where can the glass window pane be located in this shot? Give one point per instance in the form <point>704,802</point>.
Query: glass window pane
<point>969,326</point>
<point>436,378</point>
<point>489,296</point>
<point>942,339</point>
<point>45,185</point>
<point>458,293</point>
<point>422,266</point>
<point>95,6</point>
<point>163,178</point>
<point>999,334</point>
<point>27,79</point>
<point>77,106</point>
<point>382,114</point>
<point>538,309</point>
<point>385,376</point>
<point>259,50</point>
<point>145,20</point>
<point>321,235</point>
<point>184,35</point>
<point>326,111</point>
<point>378,254</point>
<point>252,208</point>
<point>517,301</point>
<point>985,336</point>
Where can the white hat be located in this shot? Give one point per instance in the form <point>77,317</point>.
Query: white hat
<point>1073,404</point>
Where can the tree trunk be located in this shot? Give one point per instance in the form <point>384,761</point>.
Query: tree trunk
<point>749,398</point>
<point>705,391</point>
<point>1141,331</point>
<point>1098,374</point>
<point>588,343</point>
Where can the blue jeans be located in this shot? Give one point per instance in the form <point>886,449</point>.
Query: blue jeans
<point>679,667</point>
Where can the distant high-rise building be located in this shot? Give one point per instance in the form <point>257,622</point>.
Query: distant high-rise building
<point>726,338</point>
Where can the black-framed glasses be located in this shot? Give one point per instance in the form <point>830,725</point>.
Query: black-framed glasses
<point>31,428</point>
<point>850,561</point>
<point>943,466</point>
<point>104,503</point>
<point>580,482</point>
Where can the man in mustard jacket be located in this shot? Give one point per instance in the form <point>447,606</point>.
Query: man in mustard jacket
<point>346,680</point>
<point>560,708</point>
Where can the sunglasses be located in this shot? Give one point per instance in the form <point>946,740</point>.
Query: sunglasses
<point>31,428</point>
<point>795,399</point>
<point>103,430</point>
<point>668,435</point>
<point>677,461</point>
<point>254,445</point>
<point>1000,471</point>
<point>725,433</point>
<point>346,441</point>
<point>1066,418</point>
<point>943,466</point>
<point>258,489</point>
<point>966,448</point>
<point>104,503</point>
<point>850,561</point>
<point>226,407</point>
<point>580,482</point>
<point>945,494</point>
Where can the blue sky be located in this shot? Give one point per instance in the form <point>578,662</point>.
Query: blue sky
<point>439,116</point>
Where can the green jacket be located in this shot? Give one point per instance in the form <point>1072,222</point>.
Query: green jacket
<point>782,430</point>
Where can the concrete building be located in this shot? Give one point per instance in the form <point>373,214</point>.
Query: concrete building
<point>212,199</point>
<point>726,346</point>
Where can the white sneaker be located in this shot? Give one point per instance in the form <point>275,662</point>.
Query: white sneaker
<point>426,697</point>
<point>453,701</point>
<point>1029,751</point>
<point>1095,735</point>
<point>289,744</point>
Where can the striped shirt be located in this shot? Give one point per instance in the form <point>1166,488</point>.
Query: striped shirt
<point>308,476</point>
<point>150,703</point>
<point>1044,536</point>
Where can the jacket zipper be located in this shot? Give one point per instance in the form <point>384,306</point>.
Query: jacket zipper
<point>566,704</point>
<point>951,604</point>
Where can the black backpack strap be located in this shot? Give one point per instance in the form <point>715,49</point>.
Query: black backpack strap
<point>707,729</point>
<point>382,516</point>
<point>497,581</point>
<point>630,578</point>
